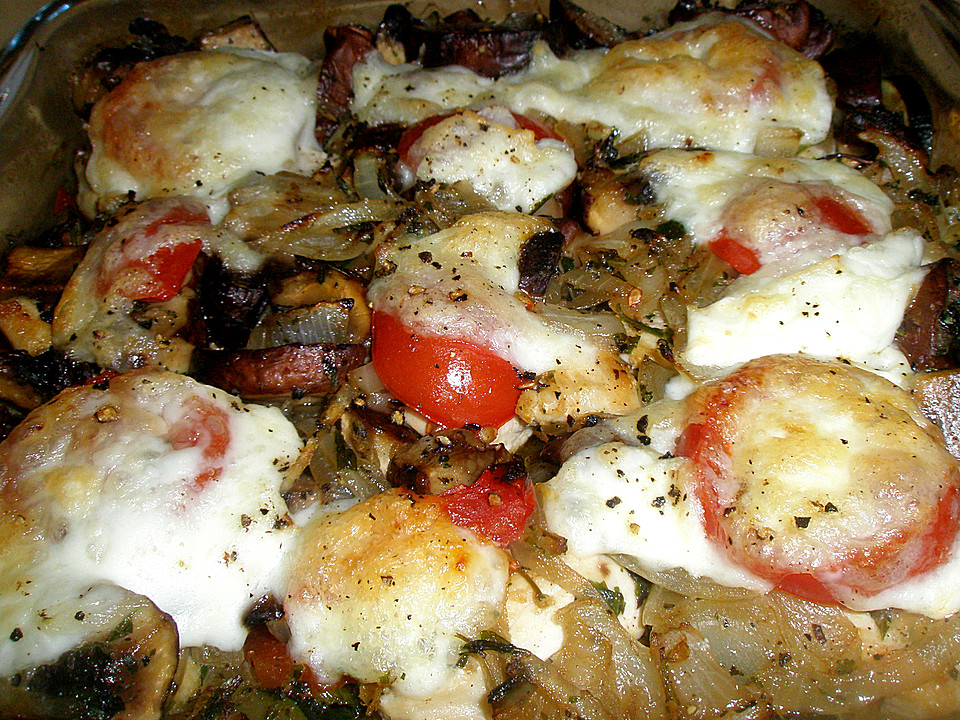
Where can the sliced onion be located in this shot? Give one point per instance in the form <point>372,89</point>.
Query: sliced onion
<point>601,324</point>
<point>323,322</point>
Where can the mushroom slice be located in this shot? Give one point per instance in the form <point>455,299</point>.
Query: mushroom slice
<point>317,369</point>
<point>121,666</point>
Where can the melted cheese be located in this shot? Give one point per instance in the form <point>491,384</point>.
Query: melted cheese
<point>699,190</point>
<point>157,484</point>
<point>198,123</point>
<point>618,499</point>
<point>93,321</point>
<point>502,162</point>
<point>388,589</point>
<point>715,84</point>
<point>847,306</point>
<point>621,499</point>
<point>463,283</point>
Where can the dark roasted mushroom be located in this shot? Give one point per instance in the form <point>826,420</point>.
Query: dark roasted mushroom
<point>539,261</point>
<point>793,22</point>
<point>436,463</point>
<point>230,303</point>
<point>582,29</point>
<point>490,50</point>
<point>293,370</point>
<point>345,45</point>
<point>930,332</point>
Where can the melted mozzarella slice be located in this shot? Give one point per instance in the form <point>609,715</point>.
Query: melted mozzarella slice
<point>503,162</point>
<point>619,499</point>
<point>388,588</point>
<point>715,84</point>
<point>160,485</point>
<point>845,306</point>
<point>768,202</point>
<point>198,123</point>
<point>464,283</point>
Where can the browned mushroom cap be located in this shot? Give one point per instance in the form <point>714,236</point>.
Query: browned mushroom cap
<point>345,45</point>
<point>490,50</point>
<point>124,673</point>
<point>928,335</point>
<point>293,370</point>
<point>582,29</point>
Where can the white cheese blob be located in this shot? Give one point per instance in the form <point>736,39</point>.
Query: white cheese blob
<point>158,484</point>
<point>476,261</point>
<point>619,499</point>
<point>198,123</point>
<point>712,83</point>
<point>501,161</point>
<point>845,306</point>
<point>697,189</point>
<point>387,590</point>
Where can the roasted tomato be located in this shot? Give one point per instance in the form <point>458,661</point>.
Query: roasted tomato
<point>775,221</point>
<point>452,382</point>
<point>152,264</point>
<point>412,134</point>
<point>496,506</point>
<point>825,479</point>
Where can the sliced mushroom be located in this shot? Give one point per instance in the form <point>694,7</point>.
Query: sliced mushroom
<point>581,28</point>
<point>122,672</point>
<point>938,394</point>
<point>539,258</point>
<point>490,50</point>
<point>930,331</point>
<point>436,463</point>
<point>346,45</point>
<point>231,302</point>
<point>288,370</point>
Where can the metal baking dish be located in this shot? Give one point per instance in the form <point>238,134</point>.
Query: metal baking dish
<point>39,132</point>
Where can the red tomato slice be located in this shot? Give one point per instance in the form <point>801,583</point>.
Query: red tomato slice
<point>891,511</point>
<point>452,382</point>
<point>743,259</point>
<point>495,506</point>
<point>272,665</point>
<point>202,424</point>
<point>152,264</point>
<point>413,133</point>
<point>841,217</point>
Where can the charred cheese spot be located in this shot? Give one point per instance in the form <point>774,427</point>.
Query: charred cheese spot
<point>388,588</point>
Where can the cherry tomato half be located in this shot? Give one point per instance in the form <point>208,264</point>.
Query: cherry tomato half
<point>495,506</point>
<point>452,382</point>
